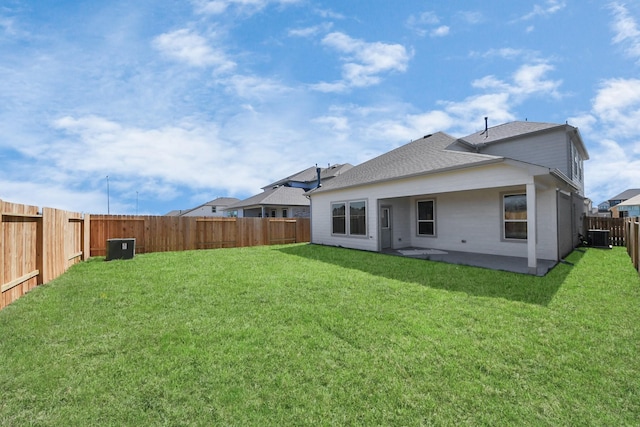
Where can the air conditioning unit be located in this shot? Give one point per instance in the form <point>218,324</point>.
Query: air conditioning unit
<point>599,238</point>
<point>120,249</point>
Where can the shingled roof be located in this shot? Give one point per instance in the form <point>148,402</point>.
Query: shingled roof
<point>626,194</point>
<point>508,131</point>
<point>310,175</point>
<point>278,196</point>
<point>422,156</point>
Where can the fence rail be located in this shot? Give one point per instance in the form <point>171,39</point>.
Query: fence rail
<point>616,227</point>
<point>632,230</point>
<point>165,233</point>
<point>36,247</point>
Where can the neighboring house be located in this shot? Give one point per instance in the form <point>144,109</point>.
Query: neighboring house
<point>603,208</point>
<point>627,208</point>
<point>215,208</point>
<point>619,198</point>
<point>286,198</point>
<point>515,189</point>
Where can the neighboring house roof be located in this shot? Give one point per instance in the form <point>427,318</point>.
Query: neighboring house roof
<point>634,201</point>
<point>279,196</point>
<point>220,201</point>
<point>627,194</point>
<point>310,175</point>
<point>422,156</point>
<point>516,129</point>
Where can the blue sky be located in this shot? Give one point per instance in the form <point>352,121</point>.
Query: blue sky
<point>180,102</point>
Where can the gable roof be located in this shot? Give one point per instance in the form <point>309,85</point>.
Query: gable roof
<point>219,201</point>
<point>310,175</point>
<point>422,156</point>
<point>278,196</point>
<point>627,194</point>
<point>516,129</point>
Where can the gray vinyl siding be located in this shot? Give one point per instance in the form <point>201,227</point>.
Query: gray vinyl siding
<point>550,150</point>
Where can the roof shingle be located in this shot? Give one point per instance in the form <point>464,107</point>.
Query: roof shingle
<point>425,155</point>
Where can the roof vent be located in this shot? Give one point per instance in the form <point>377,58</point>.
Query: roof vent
<point>485,132</point>
<point>427,136</point>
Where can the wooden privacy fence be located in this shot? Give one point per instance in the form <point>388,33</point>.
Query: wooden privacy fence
<point>36,247</point>
<point>168,233</point>
<point>632,229</point>
<point>616,227</point>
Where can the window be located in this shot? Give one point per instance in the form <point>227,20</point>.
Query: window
<point>213,209</point>
<point>515,216</point>
<point>339,219</point>
<point>355,212</point>
<point>426,217</point>
<point>285,214</point>
<point>273,213</point>
<point>384,218</point>
<point>357,218</point>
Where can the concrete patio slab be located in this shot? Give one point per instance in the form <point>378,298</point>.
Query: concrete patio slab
<point>492,262</point>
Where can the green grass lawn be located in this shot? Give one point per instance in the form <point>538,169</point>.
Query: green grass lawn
<point>311,335</point>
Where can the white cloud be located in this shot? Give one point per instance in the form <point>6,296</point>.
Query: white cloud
<point>59,196</point>
<point>255,88</point>
<point>310,31</point>
<point>613,128</point>
<point>186,46</point>
<point>626,30</point>
<point>549,8</point>
<point>427,23</point>
<point>328,13</point>
<point>529,79</point>
<point>461,117</point>
<point>186,154</point>
<point>335,123</point>
<point>363,61</point>
<point>217,7</point>
<point>471,17</point>
<point>441,31</point>
<point>617,105</point>
<point>507,53</point>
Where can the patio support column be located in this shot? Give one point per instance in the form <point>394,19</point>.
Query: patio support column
<point>531,229</point>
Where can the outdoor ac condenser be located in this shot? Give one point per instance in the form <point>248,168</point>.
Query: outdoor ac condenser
<point>599,238</point>
<point>120,249</point>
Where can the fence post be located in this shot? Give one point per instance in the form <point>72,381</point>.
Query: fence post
<point>86,237</point>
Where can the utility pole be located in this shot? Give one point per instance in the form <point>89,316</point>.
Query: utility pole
<point>108,207</point>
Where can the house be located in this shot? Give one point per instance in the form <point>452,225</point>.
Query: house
<point>603,208</point>
<point>516,189</point>
<point>627,208</point>
<point>286,197</point>
<point>214,208</point>
<point>619,198</point>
